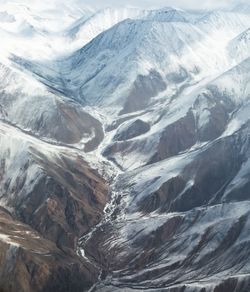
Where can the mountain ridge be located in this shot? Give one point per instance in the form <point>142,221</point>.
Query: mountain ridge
<point>124,158</point>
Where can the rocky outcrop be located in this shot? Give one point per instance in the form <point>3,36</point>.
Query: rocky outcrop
<point>189,226</point>
<point>176,137</point>
<point>66,201</point>
<point>28,262</point>
<point>174,107</point>
<point>45,114</point>
<point>142,90</point>
<point>53,198</point>
<point>62,199</point>
<point>135,129</point>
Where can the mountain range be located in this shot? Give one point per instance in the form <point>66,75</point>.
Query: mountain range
<point>124,149</point>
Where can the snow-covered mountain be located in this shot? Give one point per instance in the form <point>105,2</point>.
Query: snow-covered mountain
<point>242,7</point>
<point>238,47</point>
<point>124,149</point>
<point>85,30</point>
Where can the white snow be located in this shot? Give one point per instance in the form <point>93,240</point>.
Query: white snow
<point>96,57</point>
<point>7,239</point>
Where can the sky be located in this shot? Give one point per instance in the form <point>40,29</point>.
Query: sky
<point>187,4</point>
<point>99,4</point>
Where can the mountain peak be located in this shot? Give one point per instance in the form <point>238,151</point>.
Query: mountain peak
<point>124,149</point>
<point>168,14</point>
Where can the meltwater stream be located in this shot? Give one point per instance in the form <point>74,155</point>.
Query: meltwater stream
<point>108,216</point>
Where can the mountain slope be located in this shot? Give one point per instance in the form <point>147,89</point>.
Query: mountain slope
<point>29,262</point>
<point>157,102</point>
<point>140,55</point>
<point>84,30</point>
<point>182,222</point>
<point>238,47</point>
<point>52,189</point>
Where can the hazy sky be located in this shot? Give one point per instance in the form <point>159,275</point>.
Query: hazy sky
<point>98,4</point>
<point>190,4</point>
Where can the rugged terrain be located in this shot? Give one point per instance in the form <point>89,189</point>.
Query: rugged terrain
<point>124,149</point>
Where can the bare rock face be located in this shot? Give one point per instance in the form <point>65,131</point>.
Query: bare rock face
<point>175,138</point>
<point>28,262</point>
<point>160,104</point>
<point>44,114</point>
<point>142,90</point>
<point>191,226</point>
<point>164,196</point>
<point>66,201</point>
<point>71,124</point>
<point>212,111</point>
<point>135,129</point>
<point>53,197</point>
<point>205,120</point>
<point>198,185</point>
